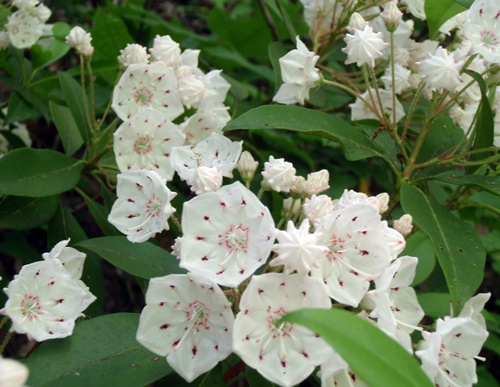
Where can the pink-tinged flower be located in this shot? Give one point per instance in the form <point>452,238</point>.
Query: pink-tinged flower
<point>217,151</point>
<point>404,224</point>
<point>228,234</point>
<point>482,28</point>
<point>299,75</point>
<point>395,304</point>
<point>441,70</point>
<point>189,320</point>
<point>361,111</point>
<point>12,373</point>
<point>317,208</point>
<point>286,353</point>
<point>147,86</point>
<point>364,46</point>
<point>166,50</point>
<point>143,205</point>
<point>278,175</point>
<point>44,300</point>
<point>146,141</point>
<point>448,353</point>
<point>297,249</point>
<point>133,54</point>
<point>359,251</point>
<point>317,182</point>
<point>24,29</point>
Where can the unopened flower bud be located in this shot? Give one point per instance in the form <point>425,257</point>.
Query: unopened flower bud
<point>42,12</point>
<point>291,207</point>
<point>247,166</point>
<point>278,174</point>
<point>404,224</point>
<point>299,186</point>
<point>80,41</point>
<point>133,54</point>
<point>12,373</point>
<point>206,179</point>
<point>317,182</point>
<point>357,22</point>
<point>391,16</point>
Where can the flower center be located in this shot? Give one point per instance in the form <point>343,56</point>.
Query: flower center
<point>489,39</point>
<point>197,315</point>
<point>235,238</point>
<point>153,206</point>
<point>142,145</point>
<point>143,96</point>
<point>30,307</point>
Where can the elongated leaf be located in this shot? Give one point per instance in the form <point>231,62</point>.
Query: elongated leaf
<point>355,144</point>
<point>21,213</point>
<point>465,3</point>
<point>18,110</point>
<point>43,56</point>
<point>143,260</point>
<point>101,352</point>
<point>435,305</point>
<point>457,246</point>
<point>100,215</point>
<point>37,172</point>
<point>66,126</point>
<point>437,12</point>
<point>73,95</point>
<point>372,355</point>
<point>419,245</point>
<point>486,183</point>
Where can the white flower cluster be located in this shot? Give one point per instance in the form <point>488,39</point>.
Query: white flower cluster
<point>26,25</point>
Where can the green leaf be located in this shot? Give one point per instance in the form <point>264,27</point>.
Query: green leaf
<point>419,245</point>
<point>255,379</point>
<point>18,110</point>
<point>356,145</point>
<point>465,3</point>
<point>101,352</point>
<point>373,356</point>
<point>66,126</point>
<point>100,215</point>
<point>435,305</point>
<point>51,49</point>
<point>143,260</point>
<point>276,50</point>
<point>73,96</point>
<point>437,12</point>
<point>15,244</point>
<point>37,172</point>
<point>21,213</point>
<point>486,183</point>
<point>456,244</point>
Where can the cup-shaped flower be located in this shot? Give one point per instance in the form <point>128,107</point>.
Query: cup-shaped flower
<point>283,353</point>
<point>44,300</point>
<point>146,141</point>
<point>143,205</point>
<point>189,320</point>
<point>147,86</point>
<point>228,234</point>
<point>360,250</point>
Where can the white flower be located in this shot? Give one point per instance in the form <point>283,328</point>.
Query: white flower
<point>297,249</point>
<point>317,182</point>
<point>191,90</point>
<point>441,70</point>
<point>215,90</point>
<point>350,197</point>
<point>216,151</point>
<point>356,22</point>
<point>44,300</point>
<point>12,373</point>
<point>364,46</point>
<point>404,224</point>
<point>360,249</point>
<point>4,40</point>
<point>482,28</point>
<point>147,86</point>
<point>291,207</point>
<point>133,54</point>
<point>247,166</point>
<point>285,354</point>
<point>473,307</point>
<point>228,234</point>
<point>143,205</point>
<point>25,4</point>
<point>391,15</point>
<point>189,320</point>
<point>278,175</point>
<point>146,141</point>
<point>71,258</point>
<point>166,50</point>
<point>42,12</point>
<point>319,13</point>
<point>299,75</point>
<point>317,207</point>
<point>24,29</point>
<point>360,111</point>
<point>416,8</point>
<point>401,78</point>
<point>200,126</point>
<point>448,353</point>
<point>80,40</point>
<point>206,179</point>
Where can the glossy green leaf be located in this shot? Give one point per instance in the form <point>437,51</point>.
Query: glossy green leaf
<point>437,12</point>
<point>356,145</point>
<point>66,126</point>
<point>419,245</point>
<point>465,3</point>
<point>371,354</point>
<point>101,352</point>
<point>486,183</point>
<point>73,96</point>
<point>37,172</point>
<point>457,246</point>
<point>45,55</point>
<point>100,215</point>
<point>22,213</point>
<point>435,305</point>
<point>18,110</point>
<point>143,260</point>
